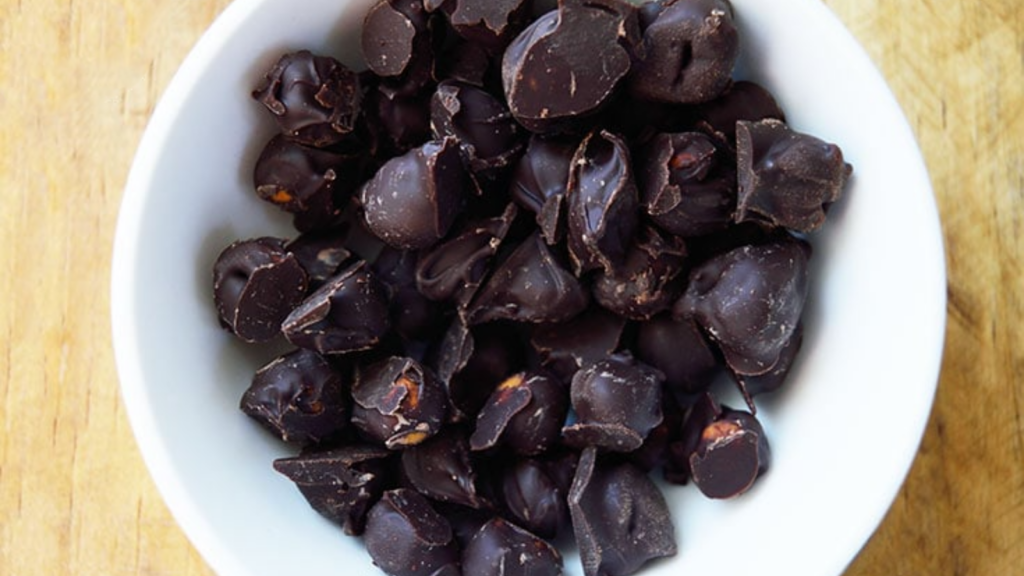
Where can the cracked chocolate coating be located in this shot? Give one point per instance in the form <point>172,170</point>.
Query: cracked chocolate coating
<point>649,280</point>
<point>398,402</point>
<point>731,454</point>
<point>501,548</point>
<point>405,536</point>
<point>524,413</point>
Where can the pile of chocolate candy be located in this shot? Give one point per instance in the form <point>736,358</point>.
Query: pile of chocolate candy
<point>527,247</point>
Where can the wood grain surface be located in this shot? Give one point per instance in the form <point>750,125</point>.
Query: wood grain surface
<point>78,81</point>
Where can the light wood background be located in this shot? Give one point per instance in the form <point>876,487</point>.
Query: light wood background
<point>78,81</point>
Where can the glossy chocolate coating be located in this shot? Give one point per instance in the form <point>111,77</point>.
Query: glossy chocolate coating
<point>772,380</point>
<point>322,254</point>
<point>743,100</point>
<point>688,184</point>
<point>570,62</point>
<point>501,548</point>
<point>534,499</point>
<point>525,414</point>
<point>496,353</point>
<point>440,468</point>
<point>731,454</point>
<point>256,284</point>
<point>749,301</point>
<point>453,270</point>
<point>691,48</point>
<point>311,183</point>
<point>347,314</point>
<point>680,351</point>
<point>540,180</point>
<point>619,516</point>
<point>397,43</point>
<point>489,138</point>
<point>786,178</point>
<point>704,410</point>
<point>341,484</point>
<point>413,316</point>
<point>531,285</point>
<point>491,24</point>
<point>617,403</point>
<point>602,203</point>
<point>406,537</point>
<point>398,402</point>
<point>299,397</point>
<point>316,100</point>
<point>565,347</point>
<point>648,282</point>
<point>413,200</point>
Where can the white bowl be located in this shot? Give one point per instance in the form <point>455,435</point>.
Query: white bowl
<point>844,432</point>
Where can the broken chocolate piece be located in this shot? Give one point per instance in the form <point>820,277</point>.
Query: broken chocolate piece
<point>397,44</point>
<point>620,518</point>
<point>540,181</point>
<point>341,484</point>
<point>650,279</point>
<point>525,413</point>
<point>315,99</point>
<point>786,178</point>
<point>398,402</point>
<point>743,100</point>
<point>732,453</point>
<point>440,468</point>
<point>256,284</point>
<point>565,347</point>
<point>347,314</point>
<point>322,254</point>
<point>617,403</point>
<point>489,138</point>
<point>406,537</point>
<point>491,24</point>
<point>299,397</point>
<point>501,548</point>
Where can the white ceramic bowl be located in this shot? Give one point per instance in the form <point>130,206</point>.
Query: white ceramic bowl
<point>844,432</point>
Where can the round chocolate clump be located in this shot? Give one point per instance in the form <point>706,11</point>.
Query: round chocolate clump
<point>731,454</point>
<point>313,184</point>
<point>341,484</point>
<point>569,63</point>
<point>786,178</point>
<point>691,49</point>
<point>501,548</point>
<point>299,397</point>
<point>749,301</point>
<point>347,314</point>
<point>256,284</point>
<point>406,537</point>
<point>617,403</point>
<point>688,184</point>
<point>316,100</point>
<point>398,402</point>
<point>525,414</point>
<point>413,200</point>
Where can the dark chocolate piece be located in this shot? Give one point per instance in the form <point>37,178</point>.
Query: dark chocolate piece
<point>397,122</point>
<point>772,380</point>
<point>398,402</point>
<point>347,314</point>
<point>454,269</point>
<point>688,184</point>
<point>491,24</point>
<point>501,548</point>
<point>617,403</point>
<point>601,204</point>
<point>299,397</point>
<point>749,301</point>
<point>413,316</point>
<point>654,452</point>
<point>496,352</point>
<point>489,138</point>
<point>315,99</point>
<point>565,347</point>
<point>321,253</point>
<point>341,484</point>
<point>648,282</point>
<point>691,49</point>
<point>440,468</point>
<point>620,518</point>
<point>570,62</point>
<point>311,183</point>
<point>525,414</point>
<point>414,199</point>
<point>534,499</point>
<point>702,413</point>
<point>681,352</point>
<point>406,537</point>
<point>256,284</point>
<point>540,181</point>
<point>397,44</point>
<point>531,285</point>
<point>786,178</point>
<point>732,453</point>
<point>742,101</point>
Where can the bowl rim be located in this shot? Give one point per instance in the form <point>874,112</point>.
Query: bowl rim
<point>131,375</point>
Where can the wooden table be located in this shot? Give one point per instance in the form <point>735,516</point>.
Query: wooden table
<point>78,81</point>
